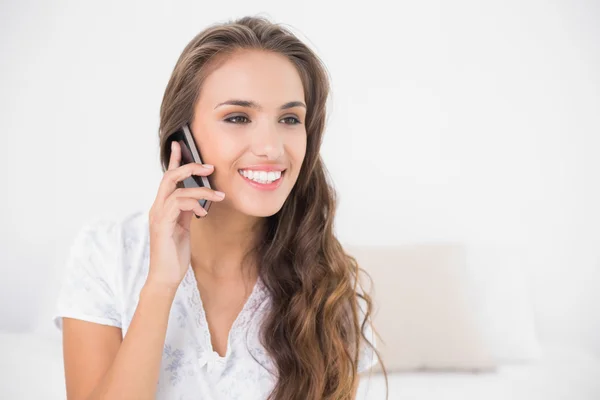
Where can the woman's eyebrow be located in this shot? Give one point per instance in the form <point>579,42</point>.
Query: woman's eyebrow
<point>252,104</point>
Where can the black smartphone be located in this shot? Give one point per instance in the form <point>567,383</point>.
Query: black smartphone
<point>191,154</point>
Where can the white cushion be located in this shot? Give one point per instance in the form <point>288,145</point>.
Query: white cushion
<point>502,298</point>
<point>422,307</point>
<point>562,373</point>
<point>445,306</point>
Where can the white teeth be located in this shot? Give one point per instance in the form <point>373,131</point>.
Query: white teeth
<point>261,176</point>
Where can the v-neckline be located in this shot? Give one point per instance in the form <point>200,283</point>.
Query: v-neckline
<point>239,322</point>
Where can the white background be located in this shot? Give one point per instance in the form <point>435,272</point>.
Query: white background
<point>469,121</point>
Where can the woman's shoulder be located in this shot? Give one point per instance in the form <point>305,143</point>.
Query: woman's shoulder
<point>131,225</point>
<point>104,262</point>
<point>133,240</point>
<point>134,230</point>
<point>116,232</point>
<point>121,241</point>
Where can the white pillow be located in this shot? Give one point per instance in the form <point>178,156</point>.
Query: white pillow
<point>447,306</point>
<point>501,295</point>
<point>423,307</point>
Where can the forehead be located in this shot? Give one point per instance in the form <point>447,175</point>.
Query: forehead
<point>267,78</point>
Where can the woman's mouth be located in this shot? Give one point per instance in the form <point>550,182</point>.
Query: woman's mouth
<point>262,180</point>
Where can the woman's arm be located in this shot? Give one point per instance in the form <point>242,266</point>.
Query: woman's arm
<point>101,365</point>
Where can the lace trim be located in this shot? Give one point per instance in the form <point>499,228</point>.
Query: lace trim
<point>242,322</point>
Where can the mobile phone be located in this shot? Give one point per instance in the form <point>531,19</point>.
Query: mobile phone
<point>191,154</point>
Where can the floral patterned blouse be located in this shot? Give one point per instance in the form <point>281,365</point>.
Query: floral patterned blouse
<point>105,272</point>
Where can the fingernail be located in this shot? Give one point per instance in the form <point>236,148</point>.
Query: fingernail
<point>220,194</point>
<point>208,166</point>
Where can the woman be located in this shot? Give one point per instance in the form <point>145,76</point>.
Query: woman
<point>254,299</point>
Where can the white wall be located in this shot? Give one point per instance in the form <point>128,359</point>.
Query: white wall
<point>458,120</point>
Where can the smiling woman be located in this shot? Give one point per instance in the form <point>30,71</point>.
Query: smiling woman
<point>245,119</point>
<point>255,300</point>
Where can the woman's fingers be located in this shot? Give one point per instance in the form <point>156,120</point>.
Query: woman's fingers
<point>176,173</point>
<point>187,200</point>
<point>172,177</point>
<point>175,159</point>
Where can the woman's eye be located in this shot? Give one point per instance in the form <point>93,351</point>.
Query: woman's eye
<point>237,119</point>
<point>293,120</point>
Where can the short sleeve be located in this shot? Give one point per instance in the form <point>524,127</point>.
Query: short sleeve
<point>367,357</point>
<point>87,291</point>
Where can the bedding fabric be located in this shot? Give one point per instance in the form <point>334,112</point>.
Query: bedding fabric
<point>561,373</point>
<point>32,368</point>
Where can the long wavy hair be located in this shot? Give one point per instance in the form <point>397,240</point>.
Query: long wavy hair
<point>313,331</point>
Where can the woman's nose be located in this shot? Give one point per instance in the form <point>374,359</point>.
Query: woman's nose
<point>267,141</point>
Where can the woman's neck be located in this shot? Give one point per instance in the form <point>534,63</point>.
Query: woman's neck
<point>219,243</point>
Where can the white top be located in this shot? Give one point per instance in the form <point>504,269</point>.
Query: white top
<point>106,269</point>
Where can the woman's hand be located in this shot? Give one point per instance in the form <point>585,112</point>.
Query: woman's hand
<point>170,218</point>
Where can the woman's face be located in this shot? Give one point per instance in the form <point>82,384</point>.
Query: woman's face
<point>249,123</point>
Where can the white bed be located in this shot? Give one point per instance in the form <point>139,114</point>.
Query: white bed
<point>561,374</point>
<point>31,367</point>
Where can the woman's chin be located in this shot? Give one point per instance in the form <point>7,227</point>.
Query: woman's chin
<point>259,203</point>
<point>257,207</point>
<point>263,210</point>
